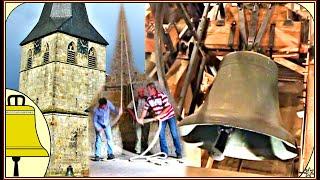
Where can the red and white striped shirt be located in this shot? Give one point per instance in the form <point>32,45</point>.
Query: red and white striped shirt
<point>158,103</point>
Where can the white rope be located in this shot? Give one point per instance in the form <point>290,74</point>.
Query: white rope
<point>151,158</point>
<point>160,155</point>
<point>121,67</point>
<point>129,71</point>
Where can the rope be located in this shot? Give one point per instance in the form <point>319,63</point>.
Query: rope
<point>155,157</point>
<point>129,71</point>
<point>151,158</point>
<point>121,69</point>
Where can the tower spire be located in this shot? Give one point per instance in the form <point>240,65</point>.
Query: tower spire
<point>124,40</point>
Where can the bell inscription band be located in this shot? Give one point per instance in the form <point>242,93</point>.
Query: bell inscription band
<point>21,135</point>
<point>241,117</point>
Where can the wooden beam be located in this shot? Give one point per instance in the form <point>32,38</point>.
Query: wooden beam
<point>159,15</point>
<point>209,162</point>
<point>154,70</point>
<point>188,21</point>
<point>198,83</point>
<point>201,26</point>
<point>158,41</point>
<point>290,55</point>
<point>193,59</point>
<point>288,64</point>
<point>309,125</point>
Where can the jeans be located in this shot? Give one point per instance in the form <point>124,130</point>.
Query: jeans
<point>174,133</point>
<point>108,133</point>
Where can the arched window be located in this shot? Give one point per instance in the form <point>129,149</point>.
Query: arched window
<point>92,59</point>
<point>46,54</point>
<point>29,62</point>
<point>71,56</point>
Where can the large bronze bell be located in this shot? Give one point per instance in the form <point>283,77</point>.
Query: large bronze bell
<point>240,117</point>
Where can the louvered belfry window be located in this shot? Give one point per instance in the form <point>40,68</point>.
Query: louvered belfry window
<point>46,55</point>
<point>29,62</point>
<point>71,56</point>
<point>92,60</point>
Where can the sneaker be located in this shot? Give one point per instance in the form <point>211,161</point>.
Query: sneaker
<point>111,156</point>
<point>96,158</point>
<point>179,156</point>
<point>138,152</point>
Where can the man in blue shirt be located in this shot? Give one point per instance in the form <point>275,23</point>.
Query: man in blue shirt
<point>102,122</point>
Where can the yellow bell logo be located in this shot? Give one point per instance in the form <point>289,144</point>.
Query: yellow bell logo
<point>21,133</point>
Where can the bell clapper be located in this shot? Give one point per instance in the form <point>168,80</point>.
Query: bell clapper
<point>221,142</point>
<point>16,166</point>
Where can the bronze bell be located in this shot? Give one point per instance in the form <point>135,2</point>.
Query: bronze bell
<point>240,117</point>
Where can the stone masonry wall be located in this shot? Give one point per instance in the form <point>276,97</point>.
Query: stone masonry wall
<point>69,134</point>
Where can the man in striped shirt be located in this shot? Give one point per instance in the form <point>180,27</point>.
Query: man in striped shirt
<point>159,103</point>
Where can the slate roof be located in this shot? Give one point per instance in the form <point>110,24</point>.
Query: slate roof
<point>68,18</point>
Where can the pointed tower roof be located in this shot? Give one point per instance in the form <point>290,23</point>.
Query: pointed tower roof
<point>68,18</point>
<point>123,35</point>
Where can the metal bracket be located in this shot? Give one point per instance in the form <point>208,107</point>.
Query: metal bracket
<point>253,26</point>
<point>271,39</point>
<point>263,27</point>
<point>242,25</point>
<point>232,33</point>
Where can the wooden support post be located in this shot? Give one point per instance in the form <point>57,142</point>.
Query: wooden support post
<point>193,60</point>
<point>209,162</point>
<point>240,165</point>
<point>159,14</point>
<point>158,42</point>
<point>309,124</point>
<point>198,83</point>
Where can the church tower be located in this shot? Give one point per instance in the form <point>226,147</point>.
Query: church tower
<point>62,66</point>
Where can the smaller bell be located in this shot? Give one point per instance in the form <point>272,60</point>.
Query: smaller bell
<point>69,171</point>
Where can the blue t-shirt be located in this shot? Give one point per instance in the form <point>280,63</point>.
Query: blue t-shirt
<point>101,117</point>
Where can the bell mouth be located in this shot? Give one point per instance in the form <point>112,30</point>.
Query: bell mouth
<point>241,143</point>
<point>237,121</point>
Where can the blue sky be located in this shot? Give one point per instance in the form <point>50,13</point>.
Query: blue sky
<point>103,16</point>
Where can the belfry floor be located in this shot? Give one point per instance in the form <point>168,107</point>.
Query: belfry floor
<point>122,167</point>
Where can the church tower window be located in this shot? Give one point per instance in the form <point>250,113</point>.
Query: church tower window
<point>46,55</point>
<point>29,62</point>
<point>71,53</point>
<point>92,60</point>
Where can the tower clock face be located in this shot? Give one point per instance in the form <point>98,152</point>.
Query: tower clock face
<point>82,46</point>
<point>37,46</point>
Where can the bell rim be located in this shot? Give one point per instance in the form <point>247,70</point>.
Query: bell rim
<point>289,140</point>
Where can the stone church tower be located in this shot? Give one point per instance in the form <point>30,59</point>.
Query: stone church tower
<point>62,66</point>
